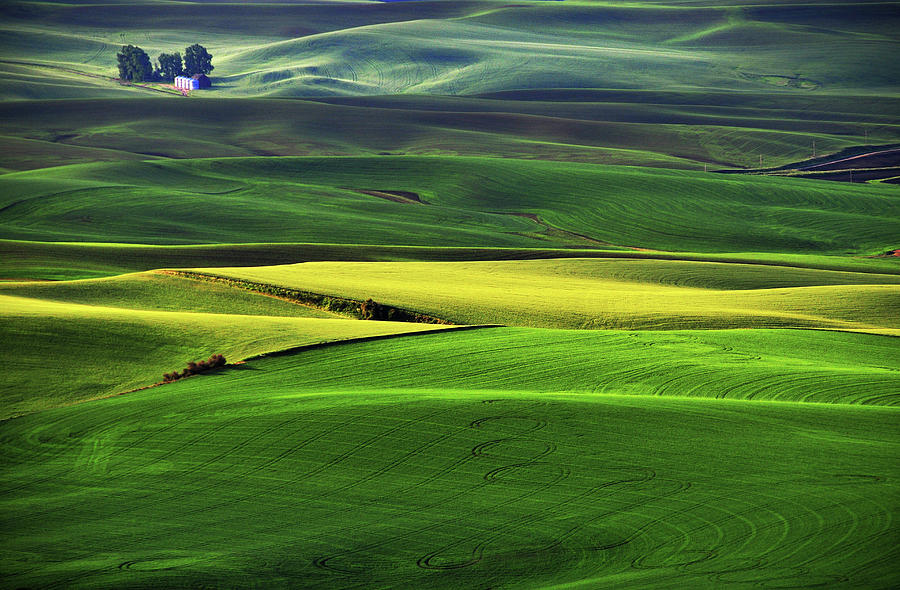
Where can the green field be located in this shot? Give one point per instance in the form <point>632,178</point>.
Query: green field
<point>300,471</point>
<point>648,374</point>
<point>671,129</point>
<point>463,202</point>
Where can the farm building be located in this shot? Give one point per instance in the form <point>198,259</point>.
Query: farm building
<point>194,82</point>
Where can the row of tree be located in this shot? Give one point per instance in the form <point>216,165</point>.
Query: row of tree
<point>135,65</point>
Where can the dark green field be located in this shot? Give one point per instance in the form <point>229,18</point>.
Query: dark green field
<point>647,373</point>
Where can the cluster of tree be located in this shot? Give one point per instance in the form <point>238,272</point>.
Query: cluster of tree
<point>135,65</point>
<point>213,362</point>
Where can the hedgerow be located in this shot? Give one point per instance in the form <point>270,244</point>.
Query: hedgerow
<point>365,310</point>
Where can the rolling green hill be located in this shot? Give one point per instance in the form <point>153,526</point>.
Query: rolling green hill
<point>464,202</point>
<point>773,365</point>
<point>677,85</point>
<point>659,377</point>
<point>72,352</point>
<point>344,48</point>
<point>653,128</point>
<point>159,292</point>
<point>714,84</point>
<point>278,474</point>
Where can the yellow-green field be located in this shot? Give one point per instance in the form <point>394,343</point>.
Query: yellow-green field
<point>597,293</point>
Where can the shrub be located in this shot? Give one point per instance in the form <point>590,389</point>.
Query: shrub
<point>367,309</point>
<point>213,362</point>
<point>372,310</point>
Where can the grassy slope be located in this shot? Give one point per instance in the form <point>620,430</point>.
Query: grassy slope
<point>439,488</point>
<point>600,47</point>
<point>70,352</point>
<point>76,203</point>
<point>587,293</point>
<point>656,128</point>
<point>159,292</point>
<point>473,202</point>
<point>774,365</point>
<point>67,260</point>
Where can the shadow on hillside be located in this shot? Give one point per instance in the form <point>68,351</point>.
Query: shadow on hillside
<point>241,367</point>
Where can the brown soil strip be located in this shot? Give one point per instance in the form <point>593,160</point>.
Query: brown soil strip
<point>879,159</point>
<point>876,164</point>
<point>405,197</point>
<point>850,175</point>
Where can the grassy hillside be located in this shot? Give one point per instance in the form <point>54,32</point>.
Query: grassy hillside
<point>661,377</point>
<point>775,365</point>
<point>159,292</point>
<point>203,481</point>
<point>465,202</point>
<point>654,128</point>
<point>78,340</point>
<point>72,260</point>
<point>71,352</point>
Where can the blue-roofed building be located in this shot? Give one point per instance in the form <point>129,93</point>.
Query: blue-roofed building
<point>186,83</point>
<point>195,82</point>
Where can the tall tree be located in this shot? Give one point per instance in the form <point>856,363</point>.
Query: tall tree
<point>197,60</point>
<point>169,66</point>
<point>134,64</point>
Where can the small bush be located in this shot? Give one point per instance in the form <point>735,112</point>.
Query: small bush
<point>368,310</point>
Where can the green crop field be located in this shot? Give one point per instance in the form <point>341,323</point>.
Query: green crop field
<point>461,202</point>
<point>304,471</point>
<point>534,295</point>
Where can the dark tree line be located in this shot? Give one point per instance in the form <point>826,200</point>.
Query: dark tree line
<point>135,65</point>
